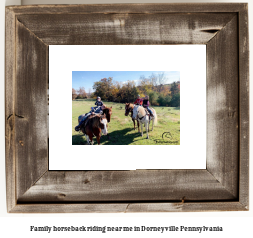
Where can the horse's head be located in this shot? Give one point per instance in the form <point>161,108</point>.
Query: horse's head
<point>135,111</point>
<point>127,109</point>
<point>103,124</point>
<point>108,112</point>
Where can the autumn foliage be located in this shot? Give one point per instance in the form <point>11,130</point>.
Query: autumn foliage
<point>79,94</point>
<point>160,92</point>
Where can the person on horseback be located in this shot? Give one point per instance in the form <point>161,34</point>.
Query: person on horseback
<point>146,105</point>
<point>98,103</point>
<point>98,110</point>
<point>138,101</point>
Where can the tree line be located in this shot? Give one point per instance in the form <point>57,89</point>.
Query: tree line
<point>155,86</point>
<point>80,93</point>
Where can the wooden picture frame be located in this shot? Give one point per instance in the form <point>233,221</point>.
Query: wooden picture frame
<point>222,186</point>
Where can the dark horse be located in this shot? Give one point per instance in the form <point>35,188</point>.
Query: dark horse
<point>129,109</point>
<point>94,125</point>
<point>108,113</point>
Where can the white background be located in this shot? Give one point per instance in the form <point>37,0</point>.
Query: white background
<point>236,224</point>
<point>189,60</point>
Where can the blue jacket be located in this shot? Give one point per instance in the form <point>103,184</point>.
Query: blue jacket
<point>99,103</point>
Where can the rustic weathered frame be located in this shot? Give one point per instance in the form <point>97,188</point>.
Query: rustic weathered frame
<point>222,186</point>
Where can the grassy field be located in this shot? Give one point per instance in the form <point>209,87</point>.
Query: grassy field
<point>121,128</point>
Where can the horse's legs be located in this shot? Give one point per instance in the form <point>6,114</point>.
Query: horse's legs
<point>147,129</point>
<point>98,139</point>
<point>153,121</point>
<point>141,130</point>
<point>90,136</point>
<point>138,124</point>
<point>87,138</point>
<point>133,122</point>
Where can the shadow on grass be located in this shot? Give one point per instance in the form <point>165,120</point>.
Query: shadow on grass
<point>79,139</point>
<point>177,108</point>
<point>120,137</point>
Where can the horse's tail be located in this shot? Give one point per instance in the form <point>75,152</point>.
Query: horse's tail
<point>156,118</point>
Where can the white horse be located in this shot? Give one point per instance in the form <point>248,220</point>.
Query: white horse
<point>140,114</point>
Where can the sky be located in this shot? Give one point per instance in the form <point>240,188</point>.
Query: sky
<point>86,79</point>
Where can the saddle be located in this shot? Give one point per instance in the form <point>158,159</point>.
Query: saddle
<point>84,124</point>
<point>147,113</point>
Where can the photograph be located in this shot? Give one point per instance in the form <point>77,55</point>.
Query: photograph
<point>120,100</point>
<point>126,107</point>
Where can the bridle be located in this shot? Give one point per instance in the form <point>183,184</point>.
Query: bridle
<point>108,114</point>
<point>128,110</point>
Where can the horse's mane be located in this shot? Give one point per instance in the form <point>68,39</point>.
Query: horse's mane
<point>108,108</point>
<point>108,112</point>
<point>130,105</point>
<point>142,110</point>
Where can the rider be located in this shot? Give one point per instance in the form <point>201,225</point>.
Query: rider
<point>146,105</point>
<point>139,100</point>
<point>99,103</point>
<point>98,110</point>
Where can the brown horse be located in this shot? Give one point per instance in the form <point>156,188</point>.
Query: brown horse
<point>94,125</point>
<point>129,109</point>
<point>108,112</point>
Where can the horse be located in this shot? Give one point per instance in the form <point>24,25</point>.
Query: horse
<point>140,114</point>
<point>129,109</point>
<point>94,125</point>
<point>108,112</point>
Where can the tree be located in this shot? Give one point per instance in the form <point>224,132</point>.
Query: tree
<point>116,91</point>
<point>167,100</point>
<point>161,100</point>
<point>108,88</point>
<point>99,89</point>
<point>145,85</point>
<point>81,93</point>
<point>134,93</point>
<point>175,101</point>
<point>164,100</point>
<point>154,81</point>
<point>103,88</point>
<point>174,89</point>
<point>153,96</point>
<point>89,93</point>
<point>74,94</point>
<point>165,90</point>
<point>130,91</point>
<point>158,81</point>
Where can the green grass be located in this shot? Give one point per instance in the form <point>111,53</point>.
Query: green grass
<point>121,128</point>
